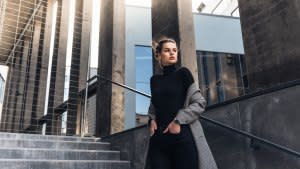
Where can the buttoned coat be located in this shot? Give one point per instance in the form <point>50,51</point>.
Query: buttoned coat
<point>194,106</point>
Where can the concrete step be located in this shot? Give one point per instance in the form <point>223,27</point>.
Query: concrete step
<point>34,153</point>
<point>63,164</point>
<point>53,144</point>
<point>47,137</point>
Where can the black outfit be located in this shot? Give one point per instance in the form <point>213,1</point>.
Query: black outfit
<point>171,151</point>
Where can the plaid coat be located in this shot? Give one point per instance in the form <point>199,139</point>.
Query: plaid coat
<point>194,105</point>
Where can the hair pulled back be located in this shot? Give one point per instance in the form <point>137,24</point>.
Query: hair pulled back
<point>158,45</point>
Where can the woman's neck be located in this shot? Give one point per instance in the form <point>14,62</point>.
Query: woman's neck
<point>169,69</point>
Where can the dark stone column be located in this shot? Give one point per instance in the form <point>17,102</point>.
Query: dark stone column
<point>86,26</point>
<point>174,19</point>
<point>30,101</point>
<point>56,94</point>
<point>13,92</point>
<point>43,61</point>
<point>165,23</point>
<point>271,39</point>
<point>103,102</point>
<point>21,85</point>
<point>110,99</point>
<point>73,118</point>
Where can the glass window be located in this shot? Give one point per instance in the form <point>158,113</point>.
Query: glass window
<point>222,76</point>
<point>143,73</point>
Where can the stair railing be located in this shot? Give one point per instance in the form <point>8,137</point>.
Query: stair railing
<point>222,125</point>
<point>92,89</point>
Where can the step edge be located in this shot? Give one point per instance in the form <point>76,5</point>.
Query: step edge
<point>56,141</point>
<point>54,160</point>
<point>45,149</point>
<point>51,136</point>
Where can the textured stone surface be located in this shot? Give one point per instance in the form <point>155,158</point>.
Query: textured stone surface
<point>272,116</point>
<point>54,144</point>
<point>110,98</point>
<point>29,151</point>
<point>132,144</point>
<point>271,40</point>
<point>58,67</point>
<point>118,67</point>
<point>58,154</point>
<point>44,60</point>
<point>44,137</point>
<point>225,145</point>
<point>9,109</point>
<point>63,164</point>
<point>174,19</point>
<point>31,98</point>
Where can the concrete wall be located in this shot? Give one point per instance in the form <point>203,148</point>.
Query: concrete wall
<point>132,144</point>
<point>271,38</point>
<point>273,116</point>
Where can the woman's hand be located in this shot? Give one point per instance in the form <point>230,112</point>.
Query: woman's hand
<point>153,127</point>
<point>173,128</point>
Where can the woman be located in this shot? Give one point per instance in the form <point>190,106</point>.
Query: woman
<point>177,140</point>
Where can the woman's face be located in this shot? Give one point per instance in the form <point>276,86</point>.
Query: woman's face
<point>168,54</point>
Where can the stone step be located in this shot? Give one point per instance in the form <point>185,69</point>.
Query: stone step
<point>47,137</point>
<point>52,144</point>
<point>63,164</point>
<point>25,153</point>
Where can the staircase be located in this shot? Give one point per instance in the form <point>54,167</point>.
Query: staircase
<point>31,151</point>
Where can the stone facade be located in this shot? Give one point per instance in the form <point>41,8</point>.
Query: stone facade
<point>271,40</point>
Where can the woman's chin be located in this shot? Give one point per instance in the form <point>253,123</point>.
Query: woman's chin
<point>172,61</point>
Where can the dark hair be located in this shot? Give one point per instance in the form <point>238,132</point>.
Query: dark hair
<point>157,46</point>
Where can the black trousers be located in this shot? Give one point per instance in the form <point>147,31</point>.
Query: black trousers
<point>173,151</point>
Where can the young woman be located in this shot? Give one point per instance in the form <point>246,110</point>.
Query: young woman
<point>177,140</point>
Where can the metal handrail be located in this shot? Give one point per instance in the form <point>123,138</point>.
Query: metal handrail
<point>124,86</point>
<point>237,131</point>
<point>259,139</point>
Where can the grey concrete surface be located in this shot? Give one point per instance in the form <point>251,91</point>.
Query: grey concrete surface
<point>29,151</point>
<point>271,39</point>
<point>53,144</point>
<point>63,164</point>
<point>273,116</point>
<point>58,154</point>
<point>5,135</point>
<point>132,144</point>
<point>44,60</point>
<point>174,19</point>
<point>104,92</point>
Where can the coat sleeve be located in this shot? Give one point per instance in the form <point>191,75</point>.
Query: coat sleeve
<point>151,111</point>
<point>192,112</point>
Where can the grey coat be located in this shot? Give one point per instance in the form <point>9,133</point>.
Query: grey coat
<point>194,105</point>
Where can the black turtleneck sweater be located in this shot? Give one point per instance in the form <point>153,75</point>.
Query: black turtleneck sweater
<point>169,92</point>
